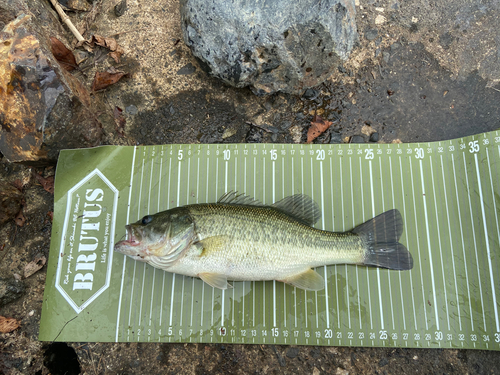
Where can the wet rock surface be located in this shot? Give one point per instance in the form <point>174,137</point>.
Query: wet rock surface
<point>410,81</point>
<point>44,109</point>
<point>10,290</point>
<point>272,45</point>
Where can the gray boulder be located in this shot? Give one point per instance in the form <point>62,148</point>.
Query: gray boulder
<point>270,45</point>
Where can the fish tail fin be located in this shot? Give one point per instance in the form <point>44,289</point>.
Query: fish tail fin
<point>381,235</point>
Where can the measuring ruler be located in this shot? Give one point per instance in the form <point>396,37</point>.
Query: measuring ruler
<point>447,192</point>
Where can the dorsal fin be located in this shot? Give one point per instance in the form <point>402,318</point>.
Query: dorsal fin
<point>301,207</point>
<point>232,197</point>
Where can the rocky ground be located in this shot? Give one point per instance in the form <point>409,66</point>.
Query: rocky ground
<point>421,71</point>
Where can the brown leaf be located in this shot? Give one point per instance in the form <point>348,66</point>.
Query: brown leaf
<point>110,43</point>
<point>105,79</point>
<point>120,121</point>
<point>20,219</point>
<point>63,55</point>
<point>35,265</point>
<point>115,55</point>
<point>18,184</point>
<point>318,127</point>
<point>8,324</point>
<point>50,214</point>
<point>47,183</point>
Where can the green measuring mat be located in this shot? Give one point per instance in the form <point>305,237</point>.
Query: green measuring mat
<point>447,192</point>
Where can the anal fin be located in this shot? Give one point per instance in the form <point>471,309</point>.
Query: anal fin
<point>215,280</point>
<point>309,280</point>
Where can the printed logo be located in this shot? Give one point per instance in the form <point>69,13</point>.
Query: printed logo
<point>86,253</point>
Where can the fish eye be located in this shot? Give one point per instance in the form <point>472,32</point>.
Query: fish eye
<point>147,219</point>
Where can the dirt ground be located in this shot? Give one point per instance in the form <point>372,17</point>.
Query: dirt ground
<point>421,71</point>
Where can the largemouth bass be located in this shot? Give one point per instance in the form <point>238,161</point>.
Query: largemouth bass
<point>240,239</point>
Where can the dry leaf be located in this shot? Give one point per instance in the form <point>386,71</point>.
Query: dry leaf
<point>18,184</point>
<point>47,183</point>
<point>8,324</point>
<point>63,55</point>
<point>20,219</point>
<point>116,55</point>
<point>110,43</point>
<point>120,121</point>
<point>105,79</point>
<point>50,214</point>
<point>34,266</point>
<point>318,127</point>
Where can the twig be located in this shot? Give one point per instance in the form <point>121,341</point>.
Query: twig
<point>92,359</point>
<point>67,21</point>
<point>380,70</point>
<point>491,87</point>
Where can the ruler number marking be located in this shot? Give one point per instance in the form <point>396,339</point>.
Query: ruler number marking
<point>320,154</point>
<point>419,153</point>
<point>369,154</point>
<point>473,147</point>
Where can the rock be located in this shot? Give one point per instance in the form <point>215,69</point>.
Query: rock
<point>254,135</point>
<point>187,69</point>
<point>446,39</point>
<point>292,352</point>
<point>310,94</point>
<point>335,137</point>
<point>374,137</point>
<point>131,109</point>
<point>44,108</point>
<point>357,139</point>
<point>10,290</point>
<point>270,45</point>
<point>120,8</point>
<point>383,362</point>
<point>371,34</point>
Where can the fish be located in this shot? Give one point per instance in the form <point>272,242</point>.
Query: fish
<point>240,239</point>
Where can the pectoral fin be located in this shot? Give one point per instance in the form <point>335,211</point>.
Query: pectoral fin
<point>309,280</point>
<point>216,280</point>
<point>215,243</point>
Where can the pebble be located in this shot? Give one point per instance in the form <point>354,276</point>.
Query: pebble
<point>371,34</point>
<point>292,352</point>
<point>335,138</point>
<point>121,8</point>
<point>10,290</point>
<point>310,94</point>
<point>380,19</point>
<point>254,135</point>
<point>186,70</point>
<point>357,139</point>
<point>131,109</point>
<point>386,56</point>
<point>374,137</point>
<point>383,362</point>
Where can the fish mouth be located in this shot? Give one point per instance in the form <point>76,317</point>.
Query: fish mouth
<point>132,234</point>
